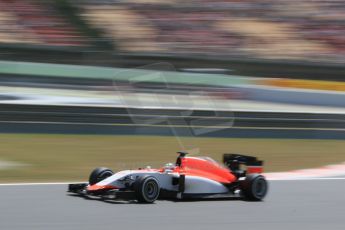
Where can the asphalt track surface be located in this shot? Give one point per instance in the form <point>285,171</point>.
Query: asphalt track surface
<point>313,204</point>
<point>127,121</point>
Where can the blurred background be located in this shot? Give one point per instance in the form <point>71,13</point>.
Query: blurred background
<point>311,31</point>
<point>122,84</point>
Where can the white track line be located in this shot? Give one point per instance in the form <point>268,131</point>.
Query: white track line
<point>309,179</point>
<point>327,172</point>
<point>66,183</point>
<point>43,183</point>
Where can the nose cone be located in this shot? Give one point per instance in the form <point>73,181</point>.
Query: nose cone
<point>95,187</point>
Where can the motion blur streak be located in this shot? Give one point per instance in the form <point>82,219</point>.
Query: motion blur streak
<point>125,84</point>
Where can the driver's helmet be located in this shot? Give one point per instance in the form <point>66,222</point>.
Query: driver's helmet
<point>169,167</point>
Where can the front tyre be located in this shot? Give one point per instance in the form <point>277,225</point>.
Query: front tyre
<point>254,187</point>
<point>99,174</point>
<point>146,189</point>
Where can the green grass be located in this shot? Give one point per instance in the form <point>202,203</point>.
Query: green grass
<point>72,157</point>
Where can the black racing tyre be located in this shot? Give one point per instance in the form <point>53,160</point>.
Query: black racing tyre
<point>254,187</point>
<point>99,174</point>
<point>146,189</point>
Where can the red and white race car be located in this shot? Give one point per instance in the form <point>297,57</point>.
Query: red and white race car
<point>188,178</point>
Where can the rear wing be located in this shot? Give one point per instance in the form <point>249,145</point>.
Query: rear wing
<point>235,162</point>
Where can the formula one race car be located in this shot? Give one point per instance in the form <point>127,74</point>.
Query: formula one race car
<point>188,178</point>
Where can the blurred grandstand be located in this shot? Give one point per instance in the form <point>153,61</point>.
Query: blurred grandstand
<point>267,29</point>
<point>36,22</point>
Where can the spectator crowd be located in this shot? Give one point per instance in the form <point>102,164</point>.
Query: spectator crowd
<point>38,23</point>
<point>270,29</point>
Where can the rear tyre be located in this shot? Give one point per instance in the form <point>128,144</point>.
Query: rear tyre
<point>146,189</point>
<point>254,187</point>
<point>99,174</point>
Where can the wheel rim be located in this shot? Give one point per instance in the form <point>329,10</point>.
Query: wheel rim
<point>260,188</point>
<point>150,190</point>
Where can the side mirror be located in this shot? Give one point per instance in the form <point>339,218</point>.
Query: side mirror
<point>181,155</point>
